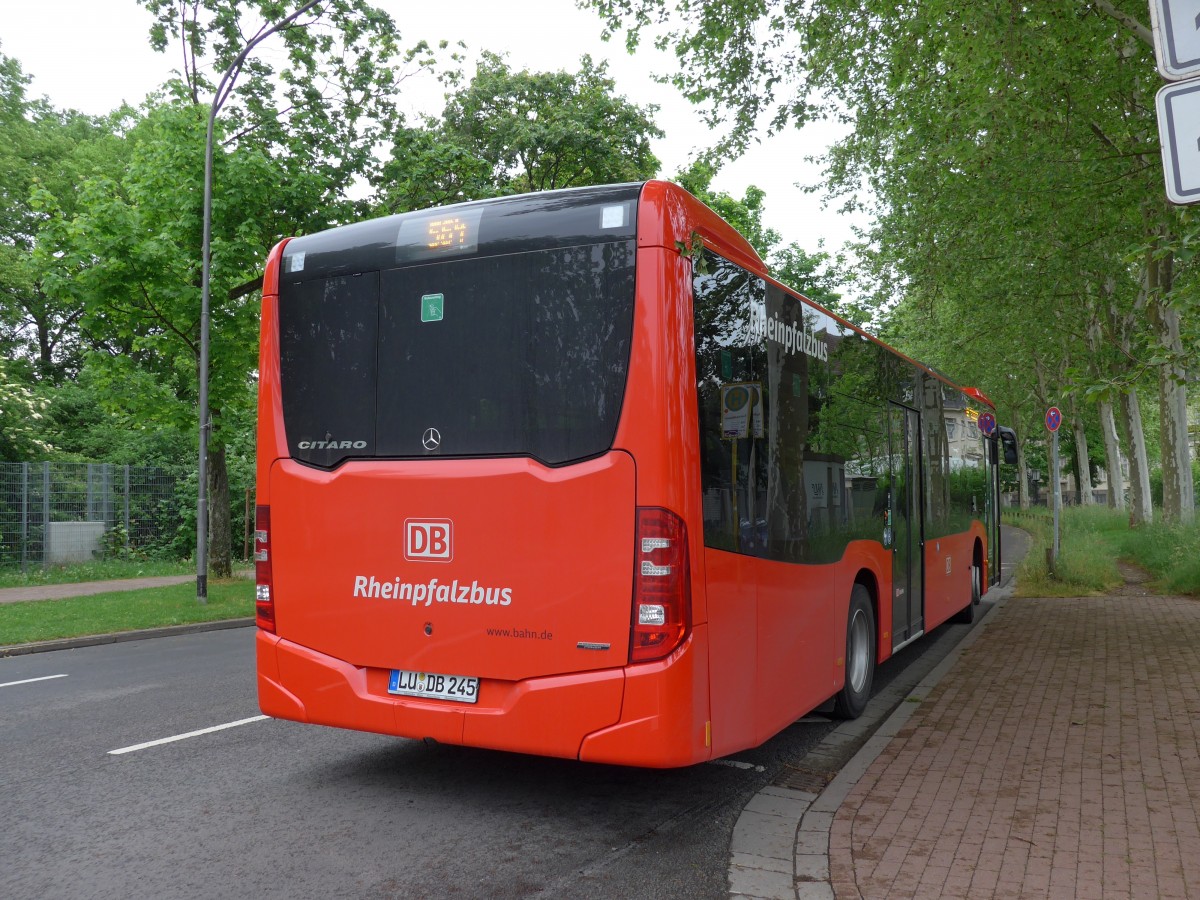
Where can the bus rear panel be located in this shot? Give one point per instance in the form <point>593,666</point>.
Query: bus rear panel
<point>452,526</point>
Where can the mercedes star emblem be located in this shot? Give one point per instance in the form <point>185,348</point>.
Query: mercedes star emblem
<point>432,439</point>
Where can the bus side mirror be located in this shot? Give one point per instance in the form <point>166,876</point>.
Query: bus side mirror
<point>1008,440</point>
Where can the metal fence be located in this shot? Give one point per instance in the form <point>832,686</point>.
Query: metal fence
<point>61,512</point>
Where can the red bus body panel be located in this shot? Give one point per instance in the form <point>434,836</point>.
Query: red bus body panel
<point>527,581</point>
<point>767,639</point>
<point>948,574</point>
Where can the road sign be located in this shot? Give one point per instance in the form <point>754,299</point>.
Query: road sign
<point>986,423</point>
<point>1053,418</point>
<point>1179,133</point>
<point>432,307</point>
<point>741,410</point>
<point>1176,26</point>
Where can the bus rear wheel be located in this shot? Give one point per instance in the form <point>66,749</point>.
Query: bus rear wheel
<point>852,699</point>
<point>966,615</point>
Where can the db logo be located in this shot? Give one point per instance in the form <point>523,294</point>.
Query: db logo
<point>429,539</point>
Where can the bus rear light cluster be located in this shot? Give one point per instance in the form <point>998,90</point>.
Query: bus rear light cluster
<point>662,595</point>
<point>264,590</point>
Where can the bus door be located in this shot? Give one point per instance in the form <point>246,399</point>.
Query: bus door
<point>908,601</point>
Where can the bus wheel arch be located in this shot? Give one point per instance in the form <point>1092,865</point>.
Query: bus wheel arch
<point>861,651</point>
<point>868,579</point>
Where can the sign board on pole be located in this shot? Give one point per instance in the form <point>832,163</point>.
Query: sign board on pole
<point>986,423</point>
<point>1179,132</point>
<point>1176,26</point>
<point>741,410</point>
<point>1053,418</point>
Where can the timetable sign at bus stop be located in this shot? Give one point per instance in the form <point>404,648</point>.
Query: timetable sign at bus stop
<point>741,410</point>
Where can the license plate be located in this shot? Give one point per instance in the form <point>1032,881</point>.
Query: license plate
<point>439,687</point>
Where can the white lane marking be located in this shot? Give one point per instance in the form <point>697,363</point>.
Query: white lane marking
<point>190,734</point>
<point>736,764</point>
<point>30,680</point>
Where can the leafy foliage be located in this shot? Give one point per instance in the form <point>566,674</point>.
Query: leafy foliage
<point>1015,180</point>
<point>292,139</point>
<point>510,132</point>
<point>811,274</point>
<point>21,436</point>
<point>50,151</point>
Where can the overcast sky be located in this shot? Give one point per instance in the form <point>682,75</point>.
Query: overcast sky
<point>91,55</point>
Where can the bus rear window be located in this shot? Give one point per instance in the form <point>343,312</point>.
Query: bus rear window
<point>328,334</point>
<point>523,354</point>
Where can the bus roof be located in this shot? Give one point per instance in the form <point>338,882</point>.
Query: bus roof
<point>481,227</point>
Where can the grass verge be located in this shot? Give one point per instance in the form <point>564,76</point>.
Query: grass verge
<point>44,620</point>
<point>98,570</point>
<point>1171,553</point>
<point>1092,539</point>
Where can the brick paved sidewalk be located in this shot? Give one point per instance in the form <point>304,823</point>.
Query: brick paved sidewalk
<point>1060,757</point>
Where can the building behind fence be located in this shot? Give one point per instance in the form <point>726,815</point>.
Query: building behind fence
<point>60,512</point>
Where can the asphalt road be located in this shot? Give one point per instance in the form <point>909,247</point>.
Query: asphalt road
<point>269,808</point>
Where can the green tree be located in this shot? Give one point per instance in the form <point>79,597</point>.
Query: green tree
<point>322,112</point>
<point>1012,158</point>
<point>745,214</point>
<point>808,273</point>
<point>49,150</point>
<point>128,256</point>
<point>290,143</point>
<point>21,409</point>
<point>511,132</point>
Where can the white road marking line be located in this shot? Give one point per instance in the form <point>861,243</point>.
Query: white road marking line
<point>190,734</point>
<point>31,680</point>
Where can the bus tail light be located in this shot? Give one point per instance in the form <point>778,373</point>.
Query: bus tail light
<point>264,590</point>
<point>662,594</point>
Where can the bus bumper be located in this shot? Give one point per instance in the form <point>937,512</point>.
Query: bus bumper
<point>652,714</point>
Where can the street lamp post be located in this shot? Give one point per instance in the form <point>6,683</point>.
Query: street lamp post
<point>222,94</point>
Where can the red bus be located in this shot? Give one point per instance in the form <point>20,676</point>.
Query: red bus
<point>569,474</point>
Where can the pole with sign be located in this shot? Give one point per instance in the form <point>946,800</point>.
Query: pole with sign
<point>1053,420</point>
<point>741,417</point>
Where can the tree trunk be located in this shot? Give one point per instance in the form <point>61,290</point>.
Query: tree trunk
<point>1083,466</point>
<point>1179,503</point>
<point>1108,424</point>
<point>220,528</point>
<point>1112,457</point>
<point>1022,472</point>
<point>1140,510</point>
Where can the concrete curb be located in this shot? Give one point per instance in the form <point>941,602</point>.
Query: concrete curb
<point>95,640</point>
<point>780,846</point>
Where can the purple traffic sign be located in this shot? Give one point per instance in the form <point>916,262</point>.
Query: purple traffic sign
<point>1053,418</point>
<point>986,422</point>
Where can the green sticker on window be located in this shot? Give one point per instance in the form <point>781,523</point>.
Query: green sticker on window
<point>431,307</point>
